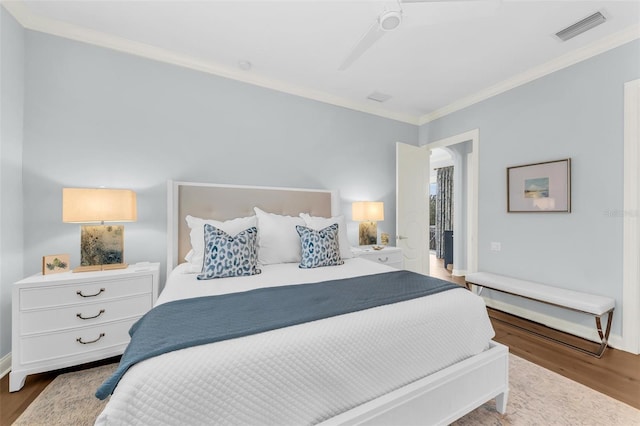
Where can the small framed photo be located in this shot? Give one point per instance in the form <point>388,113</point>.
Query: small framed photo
<point>55,263</point>
<point>540,187</point>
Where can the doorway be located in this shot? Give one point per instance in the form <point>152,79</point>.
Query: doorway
<point>412,206</point>
<point>441,207</point>
<point>464,149</point>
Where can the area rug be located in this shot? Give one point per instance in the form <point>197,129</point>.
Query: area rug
<point>68,400</point>
<point>537,397</point>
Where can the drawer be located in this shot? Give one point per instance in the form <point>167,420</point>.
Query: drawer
<point>392,258</point>
<point>63,344</point>
<point>397,265</point>
<point>67,294</point>
<point>45,320</point>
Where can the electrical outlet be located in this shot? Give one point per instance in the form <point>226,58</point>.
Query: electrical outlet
<point>496,246</point>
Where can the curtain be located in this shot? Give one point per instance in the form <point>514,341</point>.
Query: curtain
<point>444,207</point>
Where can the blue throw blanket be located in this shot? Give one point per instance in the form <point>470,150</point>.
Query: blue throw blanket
<point>197,321</point>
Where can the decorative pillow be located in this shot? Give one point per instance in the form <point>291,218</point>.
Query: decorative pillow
<point>278,241</point>
<point>231,227</point>
<point>227,256</point>
<point>319,248</point>
<point>317,222</point>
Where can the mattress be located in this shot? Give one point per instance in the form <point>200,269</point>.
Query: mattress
<point>302,374</point>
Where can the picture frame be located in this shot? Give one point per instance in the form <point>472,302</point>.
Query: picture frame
<point>539,187</point>
<point>55,263</point>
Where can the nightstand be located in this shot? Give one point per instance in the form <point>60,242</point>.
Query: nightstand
<point>391,256</point>
<point>66,319</point>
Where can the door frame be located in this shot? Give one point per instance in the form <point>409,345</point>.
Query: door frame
<point>631,221</point>
<point>472,136</point>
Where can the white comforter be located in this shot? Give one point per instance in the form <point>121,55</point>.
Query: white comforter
<point>302,374</point>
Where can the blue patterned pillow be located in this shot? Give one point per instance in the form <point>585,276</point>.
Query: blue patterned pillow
<point>227,256</point>
<point>319,248</point>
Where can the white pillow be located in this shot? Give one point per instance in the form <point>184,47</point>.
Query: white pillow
<point>278,240</point>
<point>231,227</point>
<point>318,223</point>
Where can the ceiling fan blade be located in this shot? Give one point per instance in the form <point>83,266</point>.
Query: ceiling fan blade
<point>367,40</point>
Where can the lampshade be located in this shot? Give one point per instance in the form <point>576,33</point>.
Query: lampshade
<point>369,211</point>
<point>86,205</point>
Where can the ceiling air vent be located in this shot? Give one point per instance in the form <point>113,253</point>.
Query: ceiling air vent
<point>379,97</point>
<point>581,26</point>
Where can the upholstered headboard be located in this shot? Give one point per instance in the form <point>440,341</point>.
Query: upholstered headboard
<point>223,202</point>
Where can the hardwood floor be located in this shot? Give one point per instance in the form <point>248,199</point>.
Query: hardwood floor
<point>616,374</point>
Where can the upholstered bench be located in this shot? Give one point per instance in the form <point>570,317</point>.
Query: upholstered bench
<point>570,299</point>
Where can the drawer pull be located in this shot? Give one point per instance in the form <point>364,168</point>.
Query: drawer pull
<point>383,260</point>
<point>79,293</point>
<point>79,339</point>
<point>95,316</point>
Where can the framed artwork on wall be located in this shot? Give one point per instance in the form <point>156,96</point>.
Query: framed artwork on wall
<point>539,187</point>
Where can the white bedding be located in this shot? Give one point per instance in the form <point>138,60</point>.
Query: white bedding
<point>182,284</point>
<point>302,374</point>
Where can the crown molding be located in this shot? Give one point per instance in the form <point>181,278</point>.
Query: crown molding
<point>37,23</point>
<point>61,29</point>
<point>18,10</point>
<point>564,61</point>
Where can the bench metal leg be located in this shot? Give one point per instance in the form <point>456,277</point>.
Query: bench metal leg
<point>598,353</point>
<point>604,336</point>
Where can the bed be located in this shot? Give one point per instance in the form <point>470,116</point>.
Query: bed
<point>424,360</point>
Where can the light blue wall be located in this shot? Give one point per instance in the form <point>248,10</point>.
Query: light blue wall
<point>576,112</point>
<point>95,117</point>
<point>11,117</point>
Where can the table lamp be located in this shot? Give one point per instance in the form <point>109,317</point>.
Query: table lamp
<point>367,213</point>
<point>101,246</point>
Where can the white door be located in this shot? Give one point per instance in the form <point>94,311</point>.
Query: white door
<point>412,205</point>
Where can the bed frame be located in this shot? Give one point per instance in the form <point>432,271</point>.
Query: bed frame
<point>439,398</point>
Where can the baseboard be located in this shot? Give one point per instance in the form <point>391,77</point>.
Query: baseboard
<point>615,340</point>
<point>5,365</point>
<point>458,272</point>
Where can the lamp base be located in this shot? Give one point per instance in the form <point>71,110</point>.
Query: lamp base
<point>101,244</point>
<point>368,233</point>
<point>95,268</point>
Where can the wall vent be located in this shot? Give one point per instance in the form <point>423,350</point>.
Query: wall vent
<point>581,26</point>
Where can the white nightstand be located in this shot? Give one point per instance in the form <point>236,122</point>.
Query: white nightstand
<point>391,256</point>
<point>66,319</point>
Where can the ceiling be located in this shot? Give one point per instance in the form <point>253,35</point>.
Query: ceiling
<point>444,55</point>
